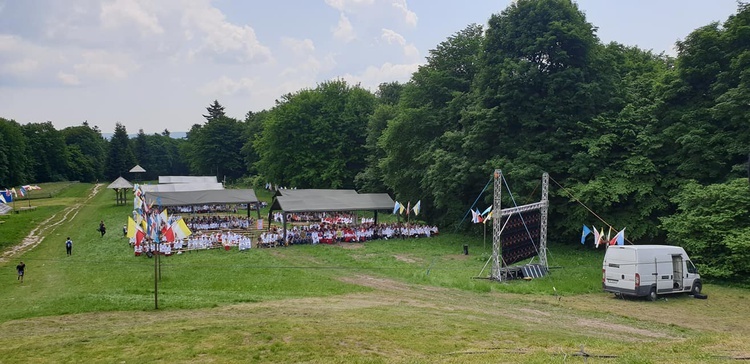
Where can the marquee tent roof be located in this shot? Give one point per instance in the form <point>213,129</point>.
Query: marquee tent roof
<point>312,192</point>
<point>182,198</point>
<point>187,179</point>
<point>120,183</point>
<point>326,201</point>
<point>182,187</point>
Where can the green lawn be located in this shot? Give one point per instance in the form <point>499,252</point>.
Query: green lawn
<point>410,301</point>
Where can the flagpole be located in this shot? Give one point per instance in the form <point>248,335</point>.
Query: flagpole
<point>156,284</point>
<point>484,241</point>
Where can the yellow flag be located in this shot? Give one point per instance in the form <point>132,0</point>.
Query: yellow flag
<point>180,229</point>
<point>131,227</point>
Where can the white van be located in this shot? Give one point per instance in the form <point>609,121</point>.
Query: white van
<point>649,271</point>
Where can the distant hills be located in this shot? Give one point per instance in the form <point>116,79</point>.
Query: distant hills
<point>173,134</point>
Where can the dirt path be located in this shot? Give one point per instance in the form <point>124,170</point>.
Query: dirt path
<point>36,236</point>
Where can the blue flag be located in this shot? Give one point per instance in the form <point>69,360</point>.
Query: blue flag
<point>586,231</point>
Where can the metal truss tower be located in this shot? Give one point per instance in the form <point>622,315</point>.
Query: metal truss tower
<point>497,223</point>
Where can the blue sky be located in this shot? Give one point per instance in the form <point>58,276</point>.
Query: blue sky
<point>156,65</point>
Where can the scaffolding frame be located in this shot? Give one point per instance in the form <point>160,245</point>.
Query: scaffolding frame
<point>498,272</point>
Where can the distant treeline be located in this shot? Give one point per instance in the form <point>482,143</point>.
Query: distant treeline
<point>649,142</point>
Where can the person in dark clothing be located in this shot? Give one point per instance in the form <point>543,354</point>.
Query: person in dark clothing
<point>69,246</point>
<point>102,228</point>
<point>20,268</point>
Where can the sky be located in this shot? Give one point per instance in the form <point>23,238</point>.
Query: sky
<point>157,65</point>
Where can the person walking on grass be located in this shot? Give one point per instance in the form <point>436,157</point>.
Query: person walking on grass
<point>69,246</point>
<point>20,268</point>
<point>102,228</point>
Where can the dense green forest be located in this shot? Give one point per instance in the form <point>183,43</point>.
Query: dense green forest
<point>654,143</point>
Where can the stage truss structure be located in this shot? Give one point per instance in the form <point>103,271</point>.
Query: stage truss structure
<point>498,271</point>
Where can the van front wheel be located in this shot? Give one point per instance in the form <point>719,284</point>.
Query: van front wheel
<point>696,290</point>
<point>652,294</point>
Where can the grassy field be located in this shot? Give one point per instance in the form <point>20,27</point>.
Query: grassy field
<point>51,199</point>
<point>397,301</point>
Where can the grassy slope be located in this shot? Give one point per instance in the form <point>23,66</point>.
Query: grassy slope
<point>15,226</point>
<point>394,301</point>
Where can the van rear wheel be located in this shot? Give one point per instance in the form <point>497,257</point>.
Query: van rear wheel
<point>652,294</point>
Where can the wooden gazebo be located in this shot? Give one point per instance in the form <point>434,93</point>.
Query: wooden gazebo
<point>135,171</point>
<point>121,187</point>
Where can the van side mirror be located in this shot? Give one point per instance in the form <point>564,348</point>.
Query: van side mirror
<point>691,268</point>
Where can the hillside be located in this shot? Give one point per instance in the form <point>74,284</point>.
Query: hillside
<point>378,302</point>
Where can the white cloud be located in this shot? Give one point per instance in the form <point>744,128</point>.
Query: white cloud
<point>344,30</point>
<point>68,79</point>
<point>102,65</point>
<point>24,66</point>
<point>391,37</point>
<point>310,67</point>
<point>225,86</point>
<point>374,76</point>
<point>220,39</point>
<point>122,13</point>
<point>410,17</point>
<point>299,47</point>
<point>348,5</point>
<point>23,60</point>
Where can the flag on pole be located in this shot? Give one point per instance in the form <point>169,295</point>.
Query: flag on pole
<point>22,191</point>
<point>180,229</point>
<point>597,237</point>
<point>15,193</point>
<point>139,235</point>
<point>408,208</point>
<point>487,210</point>
<point>586,231</point>
<point>417,207</point>
<point>396,207</point>
<point>488,217</point>
<point>167,233</point>
<point>401,209</point>
<point>131,227</point>
<point>619,239</point>
<point>164,217</point>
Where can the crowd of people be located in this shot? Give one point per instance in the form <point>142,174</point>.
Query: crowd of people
<point>220,232</point>
<point>215,222</point>
<point>328,217</point>
<point>208,209</point>
<point>341,233</point>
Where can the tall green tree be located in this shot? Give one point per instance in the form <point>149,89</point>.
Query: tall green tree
<point>15,168</point>
<point>428,116</point>
<point>49,159</point>
<point>215,111</point>
<point>711,223</point>
<point>87,153</point>
<point>315,138</point>
<point>215,148</point>
<point>371,178</point>
<point>253,132</point>
<point>120,158</point>
<point>704,114</point>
